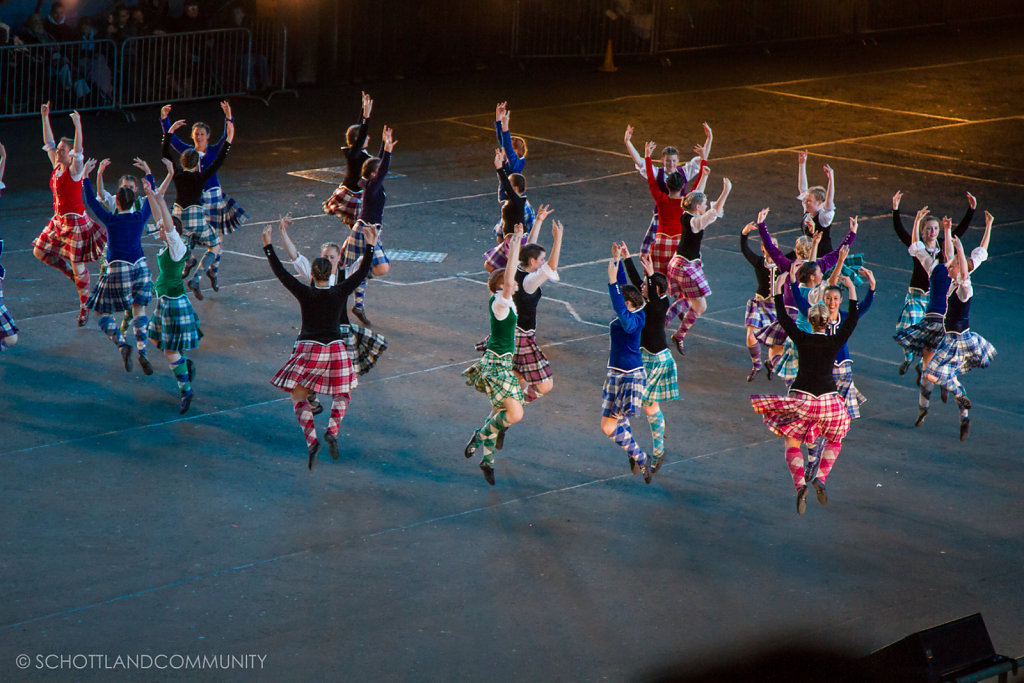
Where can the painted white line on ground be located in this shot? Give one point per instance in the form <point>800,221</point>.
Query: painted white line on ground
<point>826,100</point>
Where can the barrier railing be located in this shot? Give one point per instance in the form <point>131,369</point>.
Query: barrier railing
<point>143,70</point>
<point>184,66</point>
<point>70,76</point>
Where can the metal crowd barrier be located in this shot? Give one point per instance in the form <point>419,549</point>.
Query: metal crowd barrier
<point>174,67</point>
<point>144,70</point>
<point>70,76</point>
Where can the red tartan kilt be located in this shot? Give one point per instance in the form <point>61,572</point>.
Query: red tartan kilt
<point>72,237</point>
<point>805,417</point>
<point>345,204</point>
<point>686,279</point>
<point>323,368</point>
<point>662,251</point>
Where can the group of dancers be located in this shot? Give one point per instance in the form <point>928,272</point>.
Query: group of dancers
<point>795,312</point>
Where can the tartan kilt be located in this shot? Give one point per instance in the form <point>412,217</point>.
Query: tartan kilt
<point>497,256</point>
<point>924,335</point>
<point>852,266</point>
<point>622,394</point>
<point>322,368</point>
<point>773,334</point>
<point>493,375</point>
<point>122,286</point>
<point>914,306</point>
<point>662,377</point>
<point>195,226</point>
<point>72,237</point>
<point>174,325</point>
<point>345,204</point>
<point>355,245</point>
<point>364,345</point>
<point>7,326</point>
<point>686,279</point>
<point>959,353</point>
<point>789,363</point>
<point>652,232</point>
<point>224,214</point>
<point>805,417</point>
<point>662,251</point>
<point>842,374</point>
<point>760,313</point>
<point>528,361</point>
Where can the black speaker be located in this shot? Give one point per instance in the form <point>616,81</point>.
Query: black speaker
<point>940,653</point>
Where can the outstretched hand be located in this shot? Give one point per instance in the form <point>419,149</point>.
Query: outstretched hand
<point>268,232</point>
<point>762,215</point>
<point>103,165</point>
<point>89,166</point>
<point>629,134</point>
<point>896,200</point>
<point>971,201</point>
<point>286,222</point>
<point>140,164</point>
<point>176,125</point>
<point>853,224</point>
<point>649,148</point>
<point>165,111</point>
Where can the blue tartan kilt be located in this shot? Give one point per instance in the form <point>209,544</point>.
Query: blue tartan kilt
<point>364,346</point>
<point>924,335</point>
<point>914,306</point>
<point>196,227</point>
<point>7,326</point>
<point>842,374</point>
<point>355,245</point>
<point>789,363</point>
<point>958,353</point>
<point>623,392</point>
<point>122,286</point>
<point>223,213</point>
<point>174,325</point>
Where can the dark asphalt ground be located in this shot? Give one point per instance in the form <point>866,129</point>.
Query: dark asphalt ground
<point>130,530</point>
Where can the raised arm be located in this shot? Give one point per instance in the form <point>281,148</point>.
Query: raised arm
<point>830,190</point>
<point>864,305</point>
<point>543,211</point>
<point>837,270</point>
<point>557,231</point>
<point>947,242</point>
<point>499,167</point>
<point>48,144</point>
<point>286,278</point>
<point>169,165</point>
<point>708,138</point>
<point>634,277</point>
<point>508,285</point>
<point>989,220</point>
<point>212,169</point>
<point>515,163</point>
<point>387,144</point>
<point>801,172</point>
<point>965,222</point>
<point>100,191</point>
<point>773,250</point>
<point>829,260</point>
<point>229,122</point>
<point>97,209</point>
<point>634,155</point>
<point>897,220</point>
<point>753,258</point>
<point>702,178</point>
<point>652,178</point>
<point>915,235</point>
<point>165,223</point>
<point>166,126</point>
<point>3,163</point>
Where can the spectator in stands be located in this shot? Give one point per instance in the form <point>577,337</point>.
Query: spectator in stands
<point>256,67</point>
<point>155,12</point>
<point>138,22</point>
<point>93,64</point>
<point>56,26</point>
<point>190,20</point>
<point>119,25</point>
<point>34,32</point>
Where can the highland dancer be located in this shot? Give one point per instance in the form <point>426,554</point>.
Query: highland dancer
<point>916,301</point>
<point>686,279</point>
<point>320,361</point>
<point>71,239</point>
<point>662,378</point>
<point>222,212</point>
<point>371,215</point>
<point>813,408</point>
<point>174,327</point>
<point>346,200</point>
<point>625,381</point>
<point>493,374</point>
<point>961,349</point>
<point>759,312</point>
<point>818,203</point>
<point>125,284</point>
<point>515,210</point>
<point>694,170</point>
<point>190,198</point>
<point>8,330</point>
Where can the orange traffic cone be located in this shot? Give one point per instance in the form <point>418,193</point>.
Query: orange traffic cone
<point>609,65</point>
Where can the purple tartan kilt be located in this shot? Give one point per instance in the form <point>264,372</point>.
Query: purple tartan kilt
<point>323,368</point>
<point>924,335</point>
<point>773,334</point>
<point>122,286</point>
<point>805,417</point>
<point>662,251</point>
<point>686,279</point>
<point>623,392</point>
<point>959,353</point>
<point>760,312</point>
<point>345,204</point>
<point>72,237</point>
<point>497,256</point>
<point>223,212</point>
<point>528,361</point>
<point>650,235</point>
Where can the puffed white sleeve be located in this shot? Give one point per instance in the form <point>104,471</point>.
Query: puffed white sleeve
<point>978,256</point>
<point>535,279</point>
<point>302,267</point>
<point>175,245</point>
<point>501,306</point>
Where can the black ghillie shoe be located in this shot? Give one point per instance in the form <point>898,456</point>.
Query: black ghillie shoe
<point>126,357</point>
<point>656,465</point>
<point>905,365</point>
<point>965,428</point>
<point>488,472</point>
<point>819,488</point>
<point>645,469</point>
<point>358,312</point>
<point>194,286</point>
<point>315,406</point>
<point>474,443</point>
<point>801,500</point>
<point>144,363</point>
<point>184,403</point>
<point>189,265</point>
<point>313,450</point>
<point>213,280</point>
<point>332,445</point>
<point>921,413</point>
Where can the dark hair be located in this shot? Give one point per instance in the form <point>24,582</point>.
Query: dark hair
<point>370,167</point>
<point>494,281</point>
<point>351,134</point>
<point>633,296</point>
<point>199,124</point>
<point>189,159</point>
<point>669,150</point>
<point>320,268</point>
<point>125,197</point>
<point>805,271</point>
<point>660,283</point>
<point>518,181</point>
<point>833,288</point>
<point>675,181</point>
<point>530,251</point>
